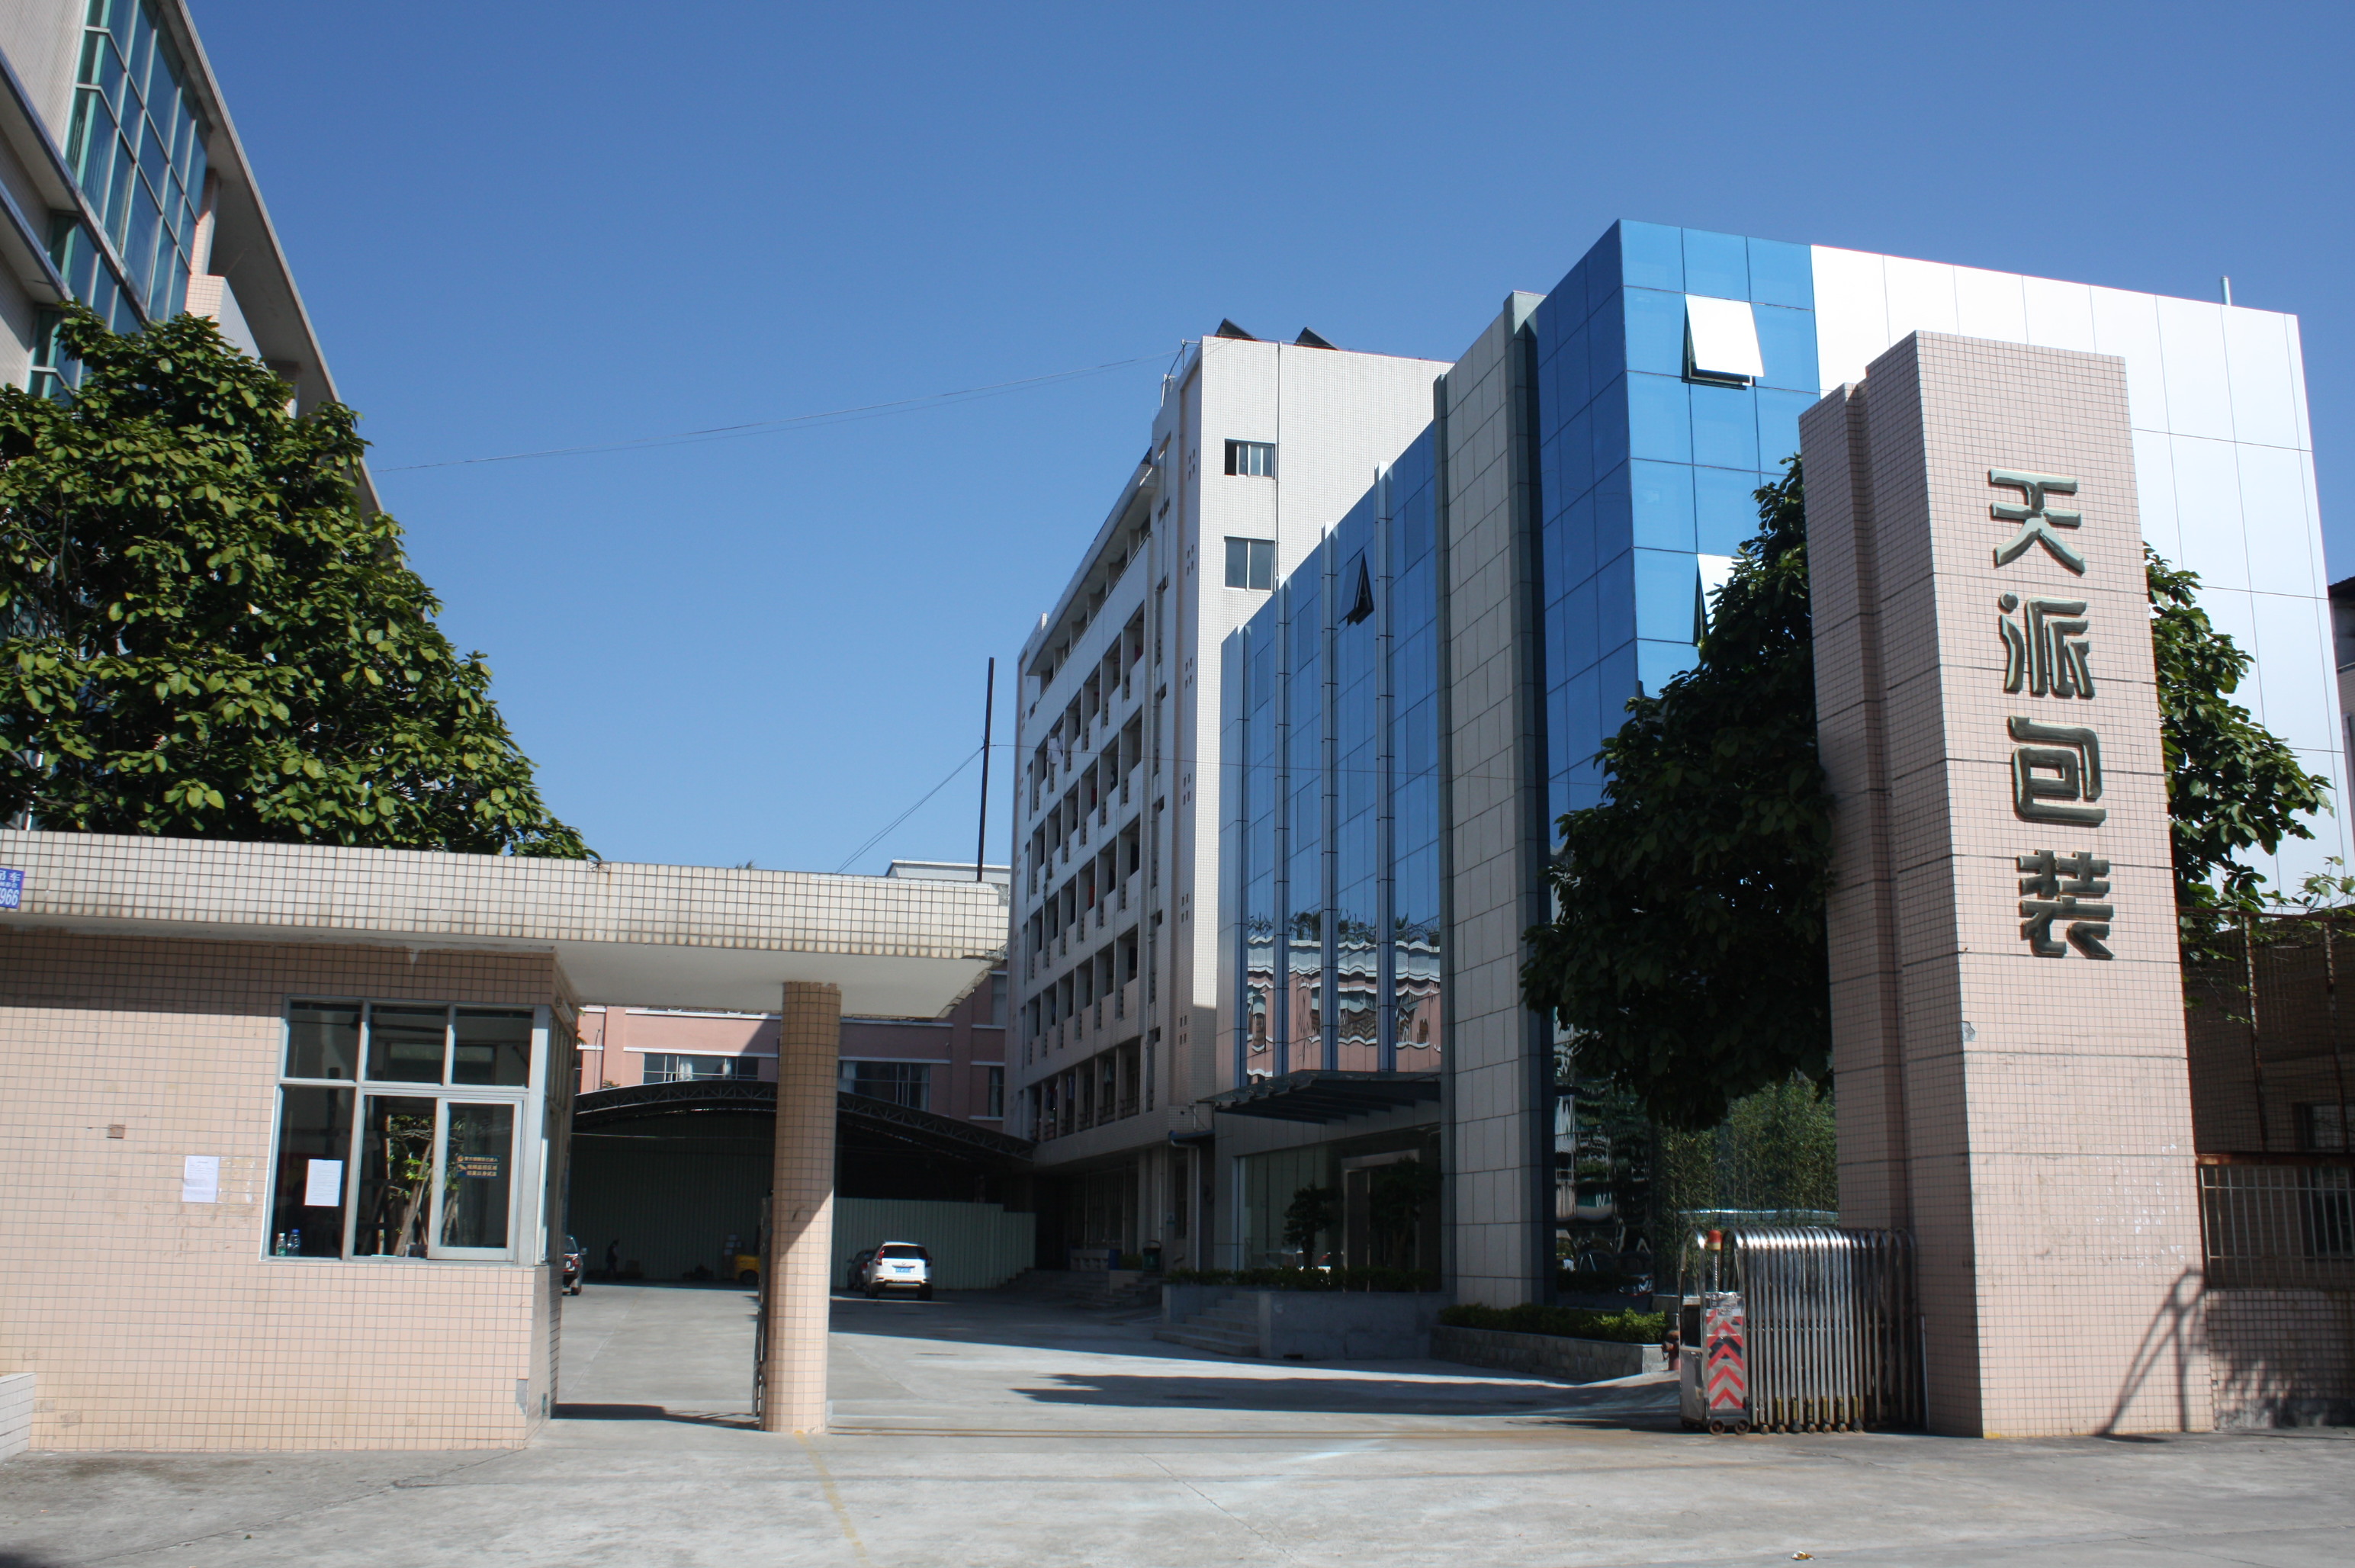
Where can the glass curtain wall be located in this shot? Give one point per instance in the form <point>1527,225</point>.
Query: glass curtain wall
<point>137,146</point>
<point>1339,817</point>
<point>1645,474</point>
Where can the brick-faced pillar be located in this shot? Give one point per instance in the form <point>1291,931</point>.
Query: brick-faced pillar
<point>799,1275</point>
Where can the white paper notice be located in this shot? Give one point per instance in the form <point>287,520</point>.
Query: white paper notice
<point>200,1179</point>
<point>322,1188</point>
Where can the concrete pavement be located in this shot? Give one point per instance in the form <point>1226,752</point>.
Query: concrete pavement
<point>987,1430</point>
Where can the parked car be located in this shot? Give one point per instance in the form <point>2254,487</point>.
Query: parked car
<point>858,1277</point>
<point>898,1265</point>
<point>574,1258</point>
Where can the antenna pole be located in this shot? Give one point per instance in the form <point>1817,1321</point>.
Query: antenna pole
<point>988,714</point>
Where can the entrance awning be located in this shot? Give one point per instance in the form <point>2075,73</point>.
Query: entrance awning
<point>1318,1095</point>
<point>598,1108</point>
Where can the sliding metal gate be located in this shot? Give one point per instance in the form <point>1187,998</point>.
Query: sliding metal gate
<point>1831,1337</point>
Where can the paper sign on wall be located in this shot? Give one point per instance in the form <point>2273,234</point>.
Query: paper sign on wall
<point>323,1186</point>
<point>12,888</point>
<point>200,1179</point>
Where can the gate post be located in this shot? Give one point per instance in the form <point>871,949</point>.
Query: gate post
<point>797,1282</point>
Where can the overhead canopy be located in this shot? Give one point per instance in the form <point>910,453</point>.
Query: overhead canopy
<point>638,935</point>
<point>1317,1095</point>
<point>600,1108</point>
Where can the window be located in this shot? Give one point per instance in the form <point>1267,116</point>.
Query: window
<point>993,1094</point>
<point>997,999</point>
<point>137,149</point>
<point>1251,563</point>
<point>1721,341</point>
<point>2323,1128</point>
<point>402,1129</point>
<point>662,1069</point>
<point>1255,459</point>
<point>908,1083</point>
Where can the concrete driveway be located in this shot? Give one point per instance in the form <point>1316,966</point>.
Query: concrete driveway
<point>987,1430</point>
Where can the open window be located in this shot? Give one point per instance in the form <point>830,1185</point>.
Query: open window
<point>1722,342</point>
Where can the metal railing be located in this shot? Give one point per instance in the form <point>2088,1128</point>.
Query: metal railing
<point>2278,1222</point>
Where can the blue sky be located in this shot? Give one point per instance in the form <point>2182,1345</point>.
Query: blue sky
<point>543,227</point>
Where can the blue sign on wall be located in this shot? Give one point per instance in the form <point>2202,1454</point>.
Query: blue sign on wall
<point>12,888</point>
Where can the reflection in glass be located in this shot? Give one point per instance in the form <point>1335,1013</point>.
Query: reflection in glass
<point>491,1046</point>
<point>396,1168</point>
<point>405,1044</point>
<point>323,1039</point>
<point>475,1176</point>
<point>314,1138</point>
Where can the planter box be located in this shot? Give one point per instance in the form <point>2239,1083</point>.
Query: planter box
<point>1320,1325</point>
<point>1546,1355</point>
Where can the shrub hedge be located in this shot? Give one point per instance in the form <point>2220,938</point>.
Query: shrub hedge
<point>1625,1328</point>
<point>1407,1279</point>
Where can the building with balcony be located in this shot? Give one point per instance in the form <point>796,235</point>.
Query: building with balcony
<point>123,187</point>
<point>1256,450</point>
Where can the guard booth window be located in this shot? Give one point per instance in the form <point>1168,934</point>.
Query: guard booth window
<point>404,1130</point>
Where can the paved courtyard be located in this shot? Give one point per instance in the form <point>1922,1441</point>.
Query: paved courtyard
<point>989,1429</point>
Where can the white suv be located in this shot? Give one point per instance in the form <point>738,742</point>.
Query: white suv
<point>898,1265</point>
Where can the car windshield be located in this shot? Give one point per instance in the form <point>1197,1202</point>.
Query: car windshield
<point>904,1249</point>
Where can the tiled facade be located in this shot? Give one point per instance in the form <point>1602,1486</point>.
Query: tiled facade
<point>2026,1114</point>
<point>152,1322</point>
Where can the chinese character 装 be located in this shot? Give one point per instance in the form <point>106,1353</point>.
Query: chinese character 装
<point>2055,889</point>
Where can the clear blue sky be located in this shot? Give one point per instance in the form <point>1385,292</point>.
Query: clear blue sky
<point>531,227</point>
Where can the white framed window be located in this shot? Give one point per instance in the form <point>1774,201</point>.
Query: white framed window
<point>908,1083</point>
<point>410,1130</point>
<point>1251,563</point>
<point>1254,459</point>
<point>675,1068</point>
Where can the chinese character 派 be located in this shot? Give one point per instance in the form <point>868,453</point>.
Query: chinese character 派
<point>2054,888</point>
<point>2058,770</point>
<point>2041,654</point>
<point>2035,519</point>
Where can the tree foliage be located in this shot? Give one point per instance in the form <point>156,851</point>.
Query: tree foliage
<point>204,633</point>
<point>2230,783</point>
<point>1688,958</point>
<point>1687,955</point>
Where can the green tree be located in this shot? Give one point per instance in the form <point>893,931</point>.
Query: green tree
<point>1688,956</point>
<point>205,634</point>
<point>2230,783</point>
<point>1314,1211</point>
<point>1687,959</point>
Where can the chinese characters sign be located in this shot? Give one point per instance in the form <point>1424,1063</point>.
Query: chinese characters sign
<point>2056,767</point>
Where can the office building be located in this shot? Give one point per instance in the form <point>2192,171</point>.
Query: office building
<point>1256,450</point>
<point>1425,693</point>
<point>125,189</point>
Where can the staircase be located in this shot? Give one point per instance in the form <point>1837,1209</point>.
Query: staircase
<point>1230,1328</point>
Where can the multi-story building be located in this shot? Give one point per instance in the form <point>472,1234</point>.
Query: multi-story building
<point>1256,450</point>
<point>123,185</point>
<point>1426,690</point>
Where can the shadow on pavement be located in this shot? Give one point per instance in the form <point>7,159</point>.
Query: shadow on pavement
<point>640,1412</point>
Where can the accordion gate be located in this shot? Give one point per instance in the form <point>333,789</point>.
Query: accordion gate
<point>1833,1337</point>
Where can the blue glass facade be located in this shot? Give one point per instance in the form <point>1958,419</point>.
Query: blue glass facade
<point>1642,470</point>
<point>1338,795</point>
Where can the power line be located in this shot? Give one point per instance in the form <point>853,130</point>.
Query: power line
<point>760,427</point>
<point>911,811</point>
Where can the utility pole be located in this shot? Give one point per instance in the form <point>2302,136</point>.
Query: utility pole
<point>989,713</point>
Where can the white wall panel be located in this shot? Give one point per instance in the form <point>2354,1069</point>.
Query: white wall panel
<point>1920,296</point>
<point>2154,492</point>
<point>1851,314</point>
<point>2256,355</point>
<point>2199,383</point>
<point>2235,614</point>
<point>2060,315</point>
<point>2305,429</point>
<point>2127,325</point>
<point>2208,512</point>
<point>1990,305</point>
<point>2294,670</point>
<point>2273,508</point>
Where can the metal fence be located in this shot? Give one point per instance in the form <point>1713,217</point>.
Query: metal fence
<point>2278,1222</point>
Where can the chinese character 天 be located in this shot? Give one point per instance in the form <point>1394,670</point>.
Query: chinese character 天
<point>2035,519</point>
